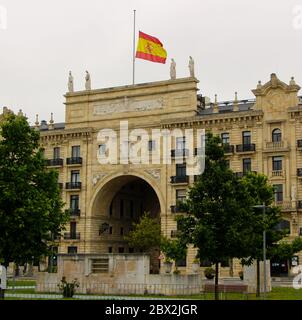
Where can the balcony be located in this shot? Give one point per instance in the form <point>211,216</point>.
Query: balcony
<point>74,212</point>
<point>299,204</point>
<point>73,185</point>
<point>299,173</point>
<point>72,236</point>
<point>246,147</point>
<point>176,209</point>
<point>228,148</point>
<point>284,205</point>
<point>180,179</point>
<point>278,173</point>
<point>74,161</point>
<point>54,162</point>
<point>299,144</point>
<point>178,153</point>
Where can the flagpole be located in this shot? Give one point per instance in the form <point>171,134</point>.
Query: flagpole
<point>133,75</point>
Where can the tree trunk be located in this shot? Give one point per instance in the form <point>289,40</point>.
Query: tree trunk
<point>258,279</point>
<point>216,281</point>
<point>231,268</point>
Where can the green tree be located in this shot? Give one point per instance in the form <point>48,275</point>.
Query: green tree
<point>261,192</point>
<point>146,234</point>
<point>30,202</point>
<point>217,208</point>
<point>173,250</point>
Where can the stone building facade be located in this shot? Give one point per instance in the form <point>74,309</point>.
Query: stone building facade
<point>263,135</point>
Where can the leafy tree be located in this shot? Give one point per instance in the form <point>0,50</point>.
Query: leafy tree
<point>174,250</point>
<point>217,208</point>
<point>262,192</point>
<point>146,234</point>
<point>30,202</point>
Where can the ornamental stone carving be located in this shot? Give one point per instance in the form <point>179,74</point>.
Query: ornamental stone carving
<point>97,177</point>
<point>155,173</point>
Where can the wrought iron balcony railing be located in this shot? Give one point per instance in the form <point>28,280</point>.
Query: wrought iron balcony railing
<point>54,162</point>
<point>179,153</point>
<point>74,212</point>
<point>180,179</point>
<point>246,147</point>
<point>74,160</point>
<point>228,148</point>
<point>72,236</point>
<point>73,185</point>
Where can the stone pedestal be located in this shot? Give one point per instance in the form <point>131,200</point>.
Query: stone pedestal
<point>250,277</point>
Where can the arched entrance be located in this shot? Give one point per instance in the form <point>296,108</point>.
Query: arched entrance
<point>119,203</point>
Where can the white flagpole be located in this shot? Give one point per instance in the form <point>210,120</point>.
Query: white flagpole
<point>133,75</point>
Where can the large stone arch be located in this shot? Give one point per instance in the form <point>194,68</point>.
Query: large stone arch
<point>111,183</point>
<point>121,190</point>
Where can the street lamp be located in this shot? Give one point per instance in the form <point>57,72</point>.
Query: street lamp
<point>263,207</point>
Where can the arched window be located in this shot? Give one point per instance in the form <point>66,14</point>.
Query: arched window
<point>276,135</point>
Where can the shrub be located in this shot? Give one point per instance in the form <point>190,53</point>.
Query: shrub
<point>68,288</point>
<point>209,273</point>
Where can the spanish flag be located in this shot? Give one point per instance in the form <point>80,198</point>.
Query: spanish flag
<point>150,48</point>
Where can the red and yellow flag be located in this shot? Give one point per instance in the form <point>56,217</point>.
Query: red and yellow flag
<point>150,48</point>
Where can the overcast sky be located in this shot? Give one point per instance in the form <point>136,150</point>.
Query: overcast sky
<point>234,44</point>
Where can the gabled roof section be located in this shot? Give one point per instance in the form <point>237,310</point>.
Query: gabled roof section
<point>275,83</point>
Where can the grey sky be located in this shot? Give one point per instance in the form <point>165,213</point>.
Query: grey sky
<point>234,44</point>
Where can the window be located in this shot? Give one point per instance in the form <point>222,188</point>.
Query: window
<point>73,230</point>
<point>276,135</point>
<point>75,176</point>
<point>74,202</point>
<point>180,143</point>
<point>131,250</point>
<point>72,250</point>
<point>246,137</point>
<point>121,208</point>
<point>122,231</point>
<point>277,163</point>
<point>225,137</point>
<point>110,230</point>
<point>278,192</point>
<point>109,249</point>
<point>121,250</point>
<point>181,170</point>
<point>56,153</point>
<point>247,165</point>
<point>75,152</point>
<point>102,149</point>
<point>181,195</point>
<point>131,209</point>
<point>151,145</point>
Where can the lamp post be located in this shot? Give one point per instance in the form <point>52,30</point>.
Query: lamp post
<point>263,207</point>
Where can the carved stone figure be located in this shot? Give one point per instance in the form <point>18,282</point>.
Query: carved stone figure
<point>173,70</point>
<point>88,81</point>
<point>191,67</point>
<point>70,82</point>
